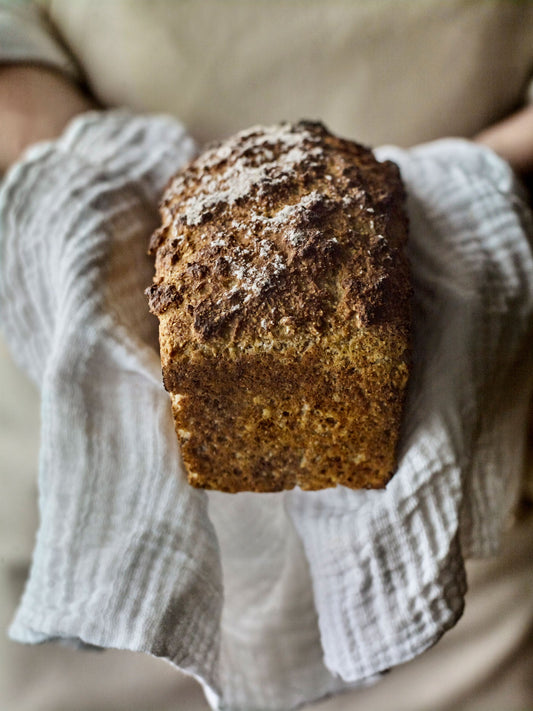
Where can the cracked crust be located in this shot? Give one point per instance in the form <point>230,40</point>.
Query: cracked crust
<point>283,294</point>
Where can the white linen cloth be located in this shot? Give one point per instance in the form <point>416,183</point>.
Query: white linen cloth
<point>270,600</point>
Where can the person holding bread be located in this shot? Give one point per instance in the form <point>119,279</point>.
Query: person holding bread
<point>336,449</point>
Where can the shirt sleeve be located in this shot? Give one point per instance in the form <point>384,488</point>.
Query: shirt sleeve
<point>26,35</point>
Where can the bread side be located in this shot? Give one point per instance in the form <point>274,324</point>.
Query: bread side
<point>282,290</point>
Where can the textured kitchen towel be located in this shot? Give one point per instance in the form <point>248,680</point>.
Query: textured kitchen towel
<point>271,600</point>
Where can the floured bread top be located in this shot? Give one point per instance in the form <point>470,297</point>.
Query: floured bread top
<point>276,230</point>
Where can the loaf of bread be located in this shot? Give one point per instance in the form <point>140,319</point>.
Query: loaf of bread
<point>283,294</point>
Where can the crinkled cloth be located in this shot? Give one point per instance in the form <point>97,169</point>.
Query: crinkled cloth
<point>271,600</point>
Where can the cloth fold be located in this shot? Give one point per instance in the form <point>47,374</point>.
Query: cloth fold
<point>271,601</point>
<point>27,36</point>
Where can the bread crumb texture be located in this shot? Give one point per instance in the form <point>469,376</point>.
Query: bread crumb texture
<point>283,294</point>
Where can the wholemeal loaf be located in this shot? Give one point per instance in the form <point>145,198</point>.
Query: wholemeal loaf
<point>282,290</point>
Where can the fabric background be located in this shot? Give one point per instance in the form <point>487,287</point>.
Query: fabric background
<point>377,72</point>
<point>27,36</point>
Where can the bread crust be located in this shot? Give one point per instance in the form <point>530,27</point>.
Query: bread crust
<point>283,293</point>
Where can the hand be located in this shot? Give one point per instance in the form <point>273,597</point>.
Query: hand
<point>35,104</point>
<point>512,139</point>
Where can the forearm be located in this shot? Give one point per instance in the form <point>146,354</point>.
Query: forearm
<point>512,139</point>
<point>35,104</point>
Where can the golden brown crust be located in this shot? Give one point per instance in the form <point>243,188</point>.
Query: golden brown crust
<point>282,290</point>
